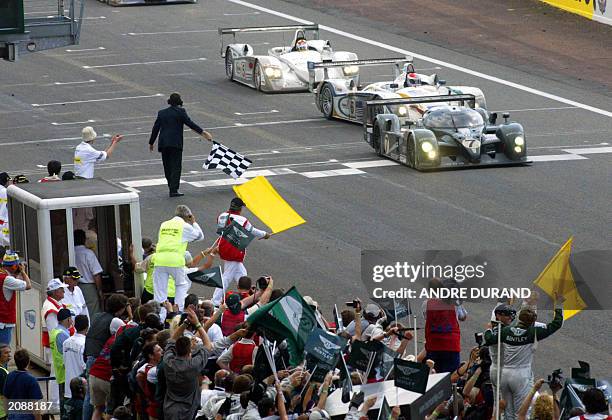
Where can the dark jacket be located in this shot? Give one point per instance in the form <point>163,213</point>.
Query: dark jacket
<point>98,333</point>
<point>169,126</point>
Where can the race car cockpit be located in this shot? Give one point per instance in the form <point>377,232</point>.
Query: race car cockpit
<point>300,43</point>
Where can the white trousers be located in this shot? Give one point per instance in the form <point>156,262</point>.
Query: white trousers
<point>161,276</point>
<point>53,388</point>
<point>232,271</point>
<point>515,385</point>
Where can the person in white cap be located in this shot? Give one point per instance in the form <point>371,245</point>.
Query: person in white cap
<point>50,309</point>
<point>85,156</point>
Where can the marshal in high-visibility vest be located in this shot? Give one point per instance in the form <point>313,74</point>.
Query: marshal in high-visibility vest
<point>64,318</point>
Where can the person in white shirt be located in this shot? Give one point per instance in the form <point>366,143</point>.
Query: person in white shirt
<point>85,156</point>
<point>13,279</point>
<point>73,296</point>
<point>90,269</point>
<point>174,236</point>
<point>4,218</point>
<point>73,349</point>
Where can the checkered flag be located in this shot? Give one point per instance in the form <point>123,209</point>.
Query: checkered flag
<point>230,162</point>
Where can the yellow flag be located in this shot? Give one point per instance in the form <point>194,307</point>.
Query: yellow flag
<point>264,202</point>
<point>557,280</point>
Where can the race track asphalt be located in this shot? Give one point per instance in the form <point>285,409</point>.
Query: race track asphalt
<point>130,59</point>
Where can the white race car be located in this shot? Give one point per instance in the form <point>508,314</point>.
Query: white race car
<point>341,99</point>
<point>283,69</point>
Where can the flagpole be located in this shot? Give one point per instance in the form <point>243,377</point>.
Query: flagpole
<point>395,311</point>
<point>309,377</point>
<point>409,313</point>
<point>416,344</point>
<point>499,356</point>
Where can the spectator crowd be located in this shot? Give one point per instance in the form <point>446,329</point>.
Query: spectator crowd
<point>170,354</point>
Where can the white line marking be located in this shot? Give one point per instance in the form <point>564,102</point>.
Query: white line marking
<point>74,83</point>
<point>272,111</point>
<point>241,14</point>
<point>537,109</point>
<point>332,172</point>
<point>555,158</point>
<point>145,63</point>
<point>87,49</point>
<point>94,18</point>
<point>99,100</point>
<point>76,122</point>
<point>44,12</point>
<point>218,182</point>
<point>170,32</point>
<point>589,150</point>
<point>430,60</point>
<point>370,164</point>
<point>147,182</point>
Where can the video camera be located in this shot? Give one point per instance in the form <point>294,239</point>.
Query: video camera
<point>479,337</point>
<point>354,304</point>
<point>555,379</point>
<point>262,282</point>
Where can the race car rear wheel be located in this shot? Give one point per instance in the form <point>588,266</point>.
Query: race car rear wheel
<point>257,76</point>
<point>377,139</point>
<point>229,64</point>
<point>326,101</point>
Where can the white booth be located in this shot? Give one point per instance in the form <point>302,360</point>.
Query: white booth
<point>43,217</point>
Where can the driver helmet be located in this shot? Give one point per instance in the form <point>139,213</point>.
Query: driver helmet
<point>413,79</point>
<point>301,45</point>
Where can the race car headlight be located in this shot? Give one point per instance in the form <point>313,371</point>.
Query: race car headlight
<point>518,149</point>
<point>431,154</point>
<point>273,72</point>
<point>519,140</point>
<point>350,70</point>
<point>427,147</point>
<point>402,111</point>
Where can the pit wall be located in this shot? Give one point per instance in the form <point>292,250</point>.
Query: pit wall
<point>597,10</point>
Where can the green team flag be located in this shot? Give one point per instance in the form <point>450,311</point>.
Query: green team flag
<point>385,410</point>
<point>286,317</point>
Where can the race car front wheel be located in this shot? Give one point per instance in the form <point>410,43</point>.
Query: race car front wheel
<point>377,139</point>
<point>257,76</point>
<point>326,101</point>
<point>229,64</point>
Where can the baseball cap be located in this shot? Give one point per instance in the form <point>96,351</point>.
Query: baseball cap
<point>63,314</point>
<point>55,284</point>
<point>233,303</point>
<point>372,309</point>
<point>72,272</point>
<point>236,203</point>
<point>505,309</point>
<point>10,258</point>
<point>4,178</point>
<point>88,134</point>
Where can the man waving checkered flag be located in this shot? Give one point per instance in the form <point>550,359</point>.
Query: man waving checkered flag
<point>230,162</point>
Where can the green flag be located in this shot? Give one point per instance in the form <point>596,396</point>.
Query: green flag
<point>237,235</point>
<point>210,277</point>
<point>287,317</point>
<point>385,410</point>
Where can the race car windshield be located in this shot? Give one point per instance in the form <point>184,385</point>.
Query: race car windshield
<point>445,118</point>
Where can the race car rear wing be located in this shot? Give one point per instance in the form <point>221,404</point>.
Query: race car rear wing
<point>314,29</point>
<point>397,62</point>
<point>371,107</point>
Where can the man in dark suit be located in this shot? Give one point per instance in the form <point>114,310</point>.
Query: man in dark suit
<point>169,127</point>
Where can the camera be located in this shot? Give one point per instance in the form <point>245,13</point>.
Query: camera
<point>554,379</point>
<point>479,337</point>
<point>262,282</point>
<point>354,304</point>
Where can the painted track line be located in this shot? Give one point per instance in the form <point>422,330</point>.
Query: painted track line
<point>145,63</point>
<point>430,60</point>
<point>97,100</point>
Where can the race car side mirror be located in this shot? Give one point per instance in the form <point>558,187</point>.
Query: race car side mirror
<point>393,85</point>
<point>441,82</point>
<point>493,118</point>
<point>506,115</point>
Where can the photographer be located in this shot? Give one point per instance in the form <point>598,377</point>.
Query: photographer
<point>13,279</point>
<point>478,390</point>
<point>545,406</point>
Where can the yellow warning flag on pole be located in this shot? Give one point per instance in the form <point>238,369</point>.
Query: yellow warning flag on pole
<point>266,203</point>
<point>556,280</point>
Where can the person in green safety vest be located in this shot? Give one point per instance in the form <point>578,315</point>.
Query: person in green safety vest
<point>174,236</point>
<point>57,336</point>
<point>147,267</point>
